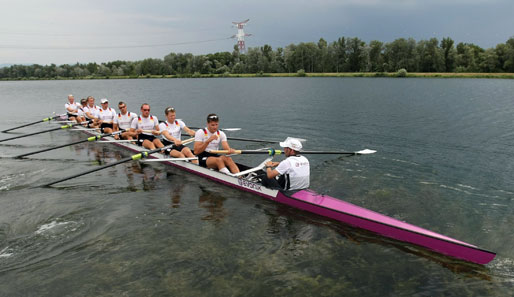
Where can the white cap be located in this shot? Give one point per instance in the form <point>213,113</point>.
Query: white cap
<point>292,143</point>
<point>104,100</point>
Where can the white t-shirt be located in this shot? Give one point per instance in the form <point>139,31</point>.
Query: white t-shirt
<point>93,110</point>
<point>202,135</point>
<point>80,111</point>
<point>175,129</point>
<point>124,121</point>
<point>107,116</point>
<point>297,172</point>
<point>143,123</point>
<point>73,105</point>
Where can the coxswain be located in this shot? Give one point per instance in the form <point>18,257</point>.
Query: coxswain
<point>71,108</point>
<point>293,172</point>
<point>208,139</point>
<point>91,112</point>
<point>171,132</point>
<point>123,121</point>
<point>147,128</point>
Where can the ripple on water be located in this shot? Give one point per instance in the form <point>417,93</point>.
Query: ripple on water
<point>50,239</point>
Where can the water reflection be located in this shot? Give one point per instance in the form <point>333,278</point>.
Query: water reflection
<point>176,194</point>
<point>285,219</point>
<point>213,204</point>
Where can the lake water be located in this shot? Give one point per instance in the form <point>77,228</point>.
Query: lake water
<point>444,161</point>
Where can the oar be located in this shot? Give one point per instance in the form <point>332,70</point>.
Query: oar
<point>133,157</point>
<point>40,132</point>
<point>272,152</point>
<point>33,123</point>
<point>224,129</point>
<point>92,138</point>
<point>253,140</point>
<point>169,159</point>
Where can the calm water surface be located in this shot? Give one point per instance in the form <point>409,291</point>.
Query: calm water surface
<point>444,162</point>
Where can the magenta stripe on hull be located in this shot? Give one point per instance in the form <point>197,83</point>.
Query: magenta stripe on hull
<point>362,218</point>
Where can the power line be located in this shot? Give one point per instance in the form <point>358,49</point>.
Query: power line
<point>17,47</point>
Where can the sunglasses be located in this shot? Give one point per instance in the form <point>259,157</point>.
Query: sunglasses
<point>213,117</point>
<point>124,106</point>
<point>146,109</point>
<point>170,109</point>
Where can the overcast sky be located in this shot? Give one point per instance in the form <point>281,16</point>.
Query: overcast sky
<point>58,31</point>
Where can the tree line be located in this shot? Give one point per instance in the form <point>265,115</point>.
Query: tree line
<point>343,55</point>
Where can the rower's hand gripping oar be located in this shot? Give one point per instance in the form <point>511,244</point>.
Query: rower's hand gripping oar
<point>273,152</point>
<point>33,123</point>
<point>133,157</point>
<point>41,132</point>
<point>92,138</point>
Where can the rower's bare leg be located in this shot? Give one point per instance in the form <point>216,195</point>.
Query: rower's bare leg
<point>230,164</point>
<point>215,163</point>
<point>107,130</point>
<point>187,152</point>
<point>148,144</point>
<point>176,154</point>
<point>158,143</point>
<point>127,135</point>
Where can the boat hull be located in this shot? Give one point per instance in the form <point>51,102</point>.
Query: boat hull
<point>340,210</point>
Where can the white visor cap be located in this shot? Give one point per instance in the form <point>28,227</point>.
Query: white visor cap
<point>292,143</point>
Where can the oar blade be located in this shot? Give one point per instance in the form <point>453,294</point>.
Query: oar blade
<point>365,152</point>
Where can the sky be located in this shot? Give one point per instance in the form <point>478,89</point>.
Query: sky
<point>70,31</point>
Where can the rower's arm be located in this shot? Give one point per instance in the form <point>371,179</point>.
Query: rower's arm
<point>227,147</point>
<point>200,147</point>
<point>189,131</point>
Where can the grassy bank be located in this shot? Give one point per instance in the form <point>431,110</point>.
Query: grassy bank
<point>300,74</point>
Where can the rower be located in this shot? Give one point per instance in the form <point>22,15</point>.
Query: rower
<point>81,115</point>
<point>91,111</point>
<point>123,121</point>
<point>146,127</point>
<point>71,108</point>
<point>209,138</point>
<point>171,132</point>
<point>106,116</point>
<point>294,171</point>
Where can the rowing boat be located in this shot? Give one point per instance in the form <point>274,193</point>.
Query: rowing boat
<point>327,206</point>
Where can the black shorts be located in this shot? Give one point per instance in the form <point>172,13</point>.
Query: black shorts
<point>142,137</point>
<point>71,115</point>
<point>106,125</point>
<point>173,146</point>
<point>89,122</point>
<point>202,158</point>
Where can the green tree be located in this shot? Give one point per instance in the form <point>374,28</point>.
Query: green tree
<point>376,56</point>
<point>508,65</point>
<point>449,54</point>
<point>401,53</point>
<point>430,56</point>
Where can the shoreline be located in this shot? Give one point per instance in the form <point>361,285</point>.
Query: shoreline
<point>250,75</point>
